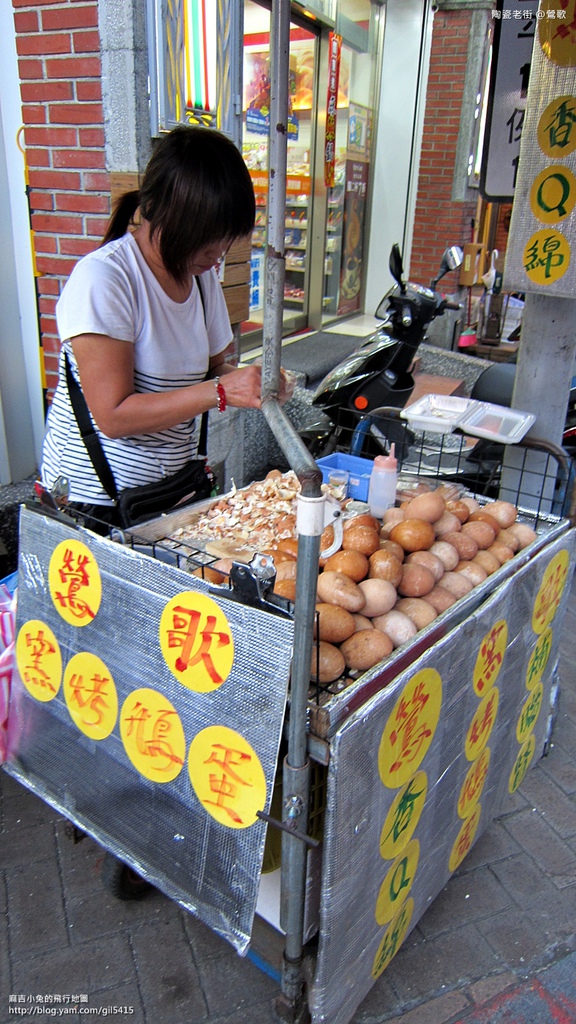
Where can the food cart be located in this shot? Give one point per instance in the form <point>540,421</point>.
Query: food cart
<point>149,705</point>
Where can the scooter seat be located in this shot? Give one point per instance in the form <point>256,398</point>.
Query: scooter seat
<point>495,384</point>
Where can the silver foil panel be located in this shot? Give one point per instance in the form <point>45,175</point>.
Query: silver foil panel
<point>418,772</point>
<point>147,708</point>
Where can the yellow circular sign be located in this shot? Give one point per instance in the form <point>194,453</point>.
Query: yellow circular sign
<point>403,816</point>
<point>553,194</point>
<point>473,784</point>
<point>557,31</point>
<point>546,256</point>
<point>529,713</point>
<point>465,838</point>
<point>74,582</point>
<point>397,884</point>
<point>227,776</point>
<point>482,724</point>
<point>490,657</point>
<point>539,659</point>
<point>550,593</point>
<point>153,735</point>
<point>557,127</point>
<point>39,660</point>
<point>393,938</point>
<point>410,728</point>
<point>196,641</point>
<point>522,763</point>
<point>90,695</point>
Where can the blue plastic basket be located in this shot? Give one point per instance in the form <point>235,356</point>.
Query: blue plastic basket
<point>359,470</point>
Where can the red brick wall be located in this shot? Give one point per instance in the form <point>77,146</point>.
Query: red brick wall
<point>439,220</point>
<point>58,48</point>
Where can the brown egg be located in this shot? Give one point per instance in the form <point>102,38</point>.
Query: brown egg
<point>379,597</point>
<point>417,581</point>
<point>465,545</point>
<point>286,588</point>
<point>413,534</point>
<point>430,561</point>
<point>502,551</point>
<point>277,555</point>
<point>446,553</point>
<point>440,598</point>
<point>393,548</point>
<point>332,623</point>
<point>524,533</point>
<point>459,509</point>
<point>397,626</point>
<point>457,584</point>
<point>448,523</point>
<point>327,662</point>
<point>286,570</point>
<point>366,648</point>
<point>488,560</point>
<point>483,516</point>
<point>362,622</point>
<point>361,538</point>
<point>337,588</point>
<point>290,545</point>
<point>352,563</point>
<point>480,531</point>
<point>504,512</point>
<point>365,519</point>
<point>385,566</point>
<point>429,507</point>
<point>471,503</point>
<point>418,610</point>
<point>509,538</point>
<point>206,572</point>
<point>393,515</point>
<point>473,571</point>
<point>326,541</point>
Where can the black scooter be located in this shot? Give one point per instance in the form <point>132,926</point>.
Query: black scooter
<point>378,372</point>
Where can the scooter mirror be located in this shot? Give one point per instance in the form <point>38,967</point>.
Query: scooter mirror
<point>451,259</point>
<point>395,265</point>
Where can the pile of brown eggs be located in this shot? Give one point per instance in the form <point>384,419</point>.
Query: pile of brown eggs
<point>391,579</point>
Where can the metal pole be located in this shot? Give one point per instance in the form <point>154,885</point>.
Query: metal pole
<point>291,1005</point>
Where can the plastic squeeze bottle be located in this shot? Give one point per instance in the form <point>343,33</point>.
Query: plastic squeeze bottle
<point>383,480</point>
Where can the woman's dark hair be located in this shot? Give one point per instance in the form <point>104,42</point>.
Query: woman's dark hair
<point>196,192</point>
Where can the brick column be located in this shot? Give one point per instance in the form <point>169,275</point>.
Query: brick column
<point>58,48</point>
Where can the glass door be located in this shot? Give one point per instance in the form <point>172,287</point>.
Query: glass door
<point>301,129</point>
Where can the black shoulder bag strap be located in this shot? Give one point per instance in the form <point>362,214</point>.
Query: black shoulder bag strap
<point>90,437</point>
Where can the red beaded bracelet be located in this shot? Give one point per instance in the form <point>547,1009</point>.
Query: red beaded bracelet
<point>220,395</point>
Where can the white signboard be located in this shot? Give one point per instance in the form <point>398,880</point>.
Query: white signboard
<point>514,30</point>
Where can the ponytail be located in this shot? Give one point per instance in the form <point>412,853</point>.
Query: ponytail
<point>122,216</point>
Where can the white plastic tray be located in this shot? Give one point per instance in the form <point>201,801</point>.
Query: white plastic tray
<point>441,414</point>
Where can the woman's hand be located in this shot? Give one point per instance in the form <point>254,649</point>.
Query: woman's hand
<point>241,386</point>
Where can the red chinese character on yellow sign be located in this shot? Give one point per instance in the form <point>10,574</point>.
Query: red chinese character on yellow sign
<point>196,641</point>
<point>550,592</point>
<point>482,724</point>
<point>557,31</point>
<point>473,783</point>
<point>39,660</point>
<point>90,695</point>
<point>227,776</point>
<point>490,657</point>
<point>465,838</point>
<point>74,582</point>
<point>410,729</point>
<point>153,735</point>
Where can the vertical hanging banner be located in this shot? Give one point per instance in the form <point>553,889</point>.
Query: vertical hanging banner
<point>334,51</point>
<point>514,30</point>
<point>540,255</point>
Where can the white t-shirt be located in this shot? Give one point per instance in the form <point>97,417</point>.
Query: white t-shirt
<point>113,292</point>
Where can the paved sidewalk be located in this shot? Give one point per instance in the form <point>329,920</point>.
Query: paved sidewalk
<point>496,947</point>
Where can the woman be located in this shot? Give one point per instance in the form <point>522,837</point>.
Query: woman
<point>144,325</point>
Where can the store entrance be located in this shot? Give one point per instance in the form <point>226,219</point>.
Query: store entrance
<point>331,86</point>
<point>255,137</point>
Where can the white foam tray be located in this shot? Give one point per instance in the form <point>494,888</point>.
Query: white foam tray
<point>441,414</point>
